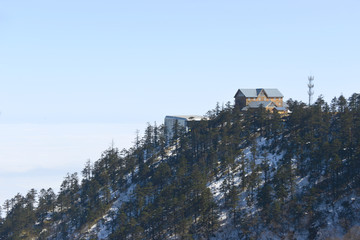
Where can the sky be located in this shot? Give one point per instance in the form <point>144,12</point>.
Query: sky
<point>78,75</point>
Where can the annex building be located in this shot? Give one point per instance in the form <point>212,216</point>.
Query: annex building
<point>268,98</point>
<point>184,121</point>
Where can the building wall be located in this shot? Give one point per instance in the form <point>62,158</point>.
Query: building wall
<point>278,101</point>
<point>242,101</point>
<point>170,123</point>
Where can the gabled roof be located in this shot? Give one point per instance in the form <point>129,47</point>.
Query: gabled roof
<point>273,92</point>
<point>264,104</point>
<point>257,104</point>
<point>247,92</point>
<point>281,108</point>
<point>253,93</point>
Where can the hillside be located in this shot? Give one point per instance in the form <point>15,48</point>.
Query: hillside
<point>237,175</point>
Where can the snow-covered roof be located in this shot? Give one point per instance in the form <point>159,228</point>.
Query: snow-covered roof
<point>273,92</point>
<point>186,117</point>
<point>249,92</point>
<point>257,104</point>
<point>253,93</point>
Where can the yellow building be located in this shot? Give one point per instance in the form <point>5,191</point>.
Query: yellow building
<point>269,98</point>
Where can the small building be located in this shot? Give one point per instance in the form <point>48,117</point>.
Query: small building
<point>269,98</point>
<point>183,121</point>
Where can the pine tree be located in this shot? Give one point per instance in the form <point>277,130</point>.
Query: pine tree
<point>87,171</point>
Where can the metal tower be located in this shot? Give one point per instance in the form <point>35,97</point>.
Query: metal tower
<point>311,86</point>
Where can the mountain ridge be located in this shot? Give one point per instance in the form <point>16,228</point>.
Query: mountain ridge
<point>238,175</point>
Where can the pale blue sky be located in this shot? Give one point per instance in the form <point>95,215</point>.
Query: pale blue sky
<point>124,63</point>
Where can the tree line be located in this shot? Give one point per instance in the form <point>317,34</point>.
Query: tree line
<point>170,178</point>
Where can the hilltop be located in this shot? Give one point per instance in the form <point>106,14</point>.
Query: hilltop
<point>236,174</point>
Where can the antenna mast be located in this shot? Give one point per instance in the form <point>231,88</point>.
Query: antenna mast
<point>311,86</point>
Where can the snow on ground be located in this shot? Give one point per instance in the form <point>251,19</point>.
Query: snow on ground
<point>101,228</point>
<point>215,189</point>
<point>301,183</point>
<point>227,231</point>
<point>346,206</point>
<point>123,197</point>
<point>332,213</point>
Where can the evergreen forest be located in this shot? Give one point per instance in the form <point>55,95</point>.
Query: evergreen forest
<point>234,175</point>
